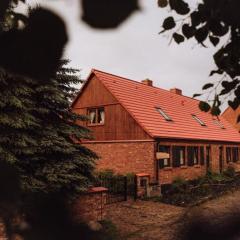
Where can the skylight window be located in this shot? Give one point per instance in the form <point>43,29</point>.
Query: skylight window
<point>217,122</point>
<point>198,120</point>
<point>166,117</point>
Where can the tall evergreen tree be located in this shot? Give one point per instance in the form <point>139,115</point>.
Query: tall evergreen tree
<point>39,134</point>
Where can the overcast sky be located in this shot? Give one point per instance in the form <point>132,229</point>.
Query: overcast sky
<point>135,50</point>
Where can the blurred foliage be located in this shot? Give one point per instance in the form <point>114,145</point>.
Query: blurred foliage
<point>8,17</point>
<point>107,14</point>
<point>211,21</point>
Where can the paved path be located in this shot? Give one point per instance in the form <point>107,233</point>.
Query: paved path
<point>147,220</point>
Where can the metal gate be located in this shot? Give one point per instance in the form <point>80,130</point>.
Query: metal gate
<point>117,188</point>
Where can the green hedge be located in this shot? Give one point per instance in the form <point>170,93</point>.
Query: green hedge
<point>185,193</point>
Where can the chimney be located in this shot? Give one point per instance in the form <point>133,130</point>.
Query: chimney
<point>176,91</point>
<point>147,82</point>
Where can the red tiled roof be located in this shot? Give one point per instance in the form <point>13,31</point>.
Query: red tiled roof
<point>141,101</point>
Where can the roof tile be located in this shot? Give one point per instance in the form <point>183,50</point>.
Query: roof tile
<point>141,100</point>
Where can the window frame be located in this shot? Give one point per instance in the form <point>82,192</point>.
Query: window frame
<point>163,114</point>
<point>229,154</point>
<point>192,151</point>
<point>208,156</point>
<point>162,161</point>
<point>217,122</point>
<point>176,152</point>
<point>97,112</point>
<point>202,155</point>
<point>235,158</point>
<point>198,120</point>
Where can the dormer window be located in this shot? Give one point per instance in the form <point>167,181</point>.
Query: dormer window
<point>198,120</point>
<point>165,116</point>
<point>96,116</point>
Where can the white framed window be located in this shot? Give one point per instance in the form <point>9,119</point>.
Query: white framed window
<point>96,116</point>
<point>165,116</point>
<point>217,122</point>
<point>198,120</point>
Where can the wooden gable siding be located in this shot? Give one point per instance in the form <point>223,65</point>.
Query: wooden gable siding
<point>94,94</point>
<point>119,125</point>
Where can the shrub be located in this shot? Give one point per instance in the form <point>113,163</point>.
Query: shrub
<point>230,172</point>
<point>115,182</point>
<point>179,185</point>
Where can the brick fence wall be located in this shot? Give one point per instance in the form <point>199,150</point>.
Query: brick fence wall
<point>91,206</point>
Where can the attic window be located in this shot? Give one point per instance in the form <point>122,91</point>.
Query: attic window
<point>166,117</point>
<point>96,116</point>
<point>217,122</point>
<point>198,120</point>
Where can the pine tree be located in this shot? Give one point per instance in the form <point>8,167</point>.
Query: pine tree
<point>39,134</point>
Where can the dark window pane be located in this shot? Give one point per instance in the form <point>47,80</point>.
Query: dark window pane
<point>195,157</point>
<point>235,154</point>
<point>202,157</point>
<point>228,154</point>
<point>208,156</point>
<point>190,155</point>
<point>178,156</point>
<point>101,115</point>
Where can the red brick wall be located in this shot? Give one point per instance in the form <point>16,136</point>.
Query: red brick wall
<point>91,206</point>
<point>167,175</point>
<point>126,157</point>
<point>139,157</point>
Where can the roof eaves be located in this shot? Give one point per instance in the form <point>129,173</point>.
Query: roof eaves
<point>196,139</point>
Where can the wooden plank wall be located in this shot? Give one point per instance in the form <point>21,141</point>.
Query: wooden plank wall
<point>119,125</point>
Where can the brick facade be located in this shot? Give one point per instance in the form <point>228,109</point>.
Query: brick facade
<point>126,157</point>
<point>168,174</point>
<point>140,157</point>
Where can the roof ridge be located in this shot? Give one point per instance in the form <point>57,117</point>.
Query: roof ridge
<point>135,81</point>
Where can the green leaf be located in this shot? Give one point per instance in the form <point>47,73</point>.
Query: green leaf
<point>188,31</point>
<point>169,23</point>
<point>178,38</point>
<point>214,40</point>
<point>217,28</point>
<point>219,71</point>
<point>201,34</point>
<point>162,3</point>
<point>208,85</point>
<point>180,6</point>
<point>195,18</point>
<point>204,106</point>
<point>234,104</point>
<point>224,91</point>
<point>197,95</point>
<point>215,111</point>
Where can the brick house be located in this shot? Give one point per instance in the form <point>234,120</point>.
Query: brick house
<point>232,116</point>
<point>139,128</point>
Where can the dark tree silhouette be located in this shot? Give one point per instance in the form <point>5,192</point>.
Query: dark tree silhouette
<point>212,20</point>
